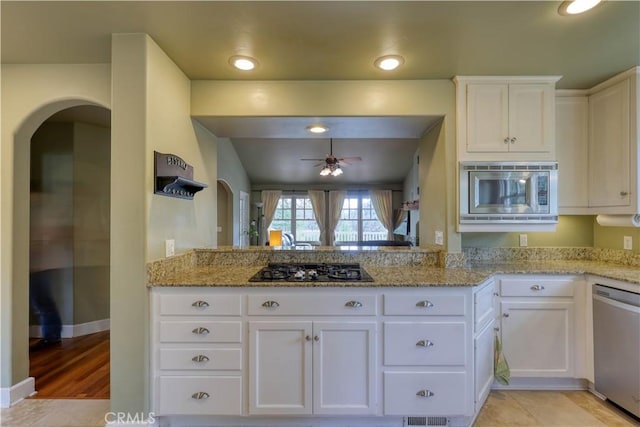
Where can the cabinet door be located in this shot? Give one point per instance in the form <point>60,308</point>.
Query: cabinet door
<point>572,137</point>
<point>280,367</point>
<point>609,155</point>
<point>344,381</point>
<point>487,118</point>
<point>537,338</point>
<point>484,364</point>
<point>531,117</point>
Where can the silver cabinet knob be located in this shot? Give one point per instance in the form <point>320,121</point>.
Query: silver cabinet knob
<point>200,358</point>
<point>316,338</point>
<point>270,304</point>
<point>496,329</point>
<point>513,140</point>
<point>424,343</point>
<point>505,314</point>
<point>424,304</point>
<point>624,193</point>
<point>200,304</point>
<point>307,337</point>
<point>537,288</point>
<point>425,393</point>
<point>200,331</point>
<point>506,140</point>
<point>496,294</point>
<point>354,304</point>
<point>201,395</point>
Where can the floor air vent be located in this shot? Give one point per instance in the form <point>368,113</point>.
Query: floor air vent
<point>427,421</point>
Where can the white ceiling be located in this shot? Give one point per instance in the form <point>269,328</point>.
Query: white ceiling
<point>320,40</point>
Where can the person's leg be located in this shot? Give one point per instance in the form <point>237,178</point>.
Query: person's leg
<point>42,301</point>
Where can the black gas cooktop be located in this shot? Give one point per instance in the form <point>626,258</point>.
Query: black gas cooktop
<point>300,272</point>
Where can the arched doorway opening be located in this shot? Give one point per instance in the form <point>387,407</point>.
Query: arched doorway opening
<point>69,244</point>
<point>225,214</point>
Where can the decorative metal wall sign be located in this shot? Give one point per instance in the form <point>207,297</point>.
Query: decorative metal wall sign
<point>173,177</point>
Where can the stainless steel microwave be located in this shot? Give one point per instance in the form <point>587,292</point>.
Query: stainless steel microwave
<point>508,192</point>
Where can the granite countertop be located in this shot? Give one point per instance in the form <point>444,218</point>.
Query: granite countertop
<point>405,276</point>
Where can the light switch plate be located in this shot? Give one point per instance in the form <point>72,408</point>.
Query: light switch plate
<point>439,238</point>
<point>628,243</point>
<point>523,240</point>
<point>170,247</point>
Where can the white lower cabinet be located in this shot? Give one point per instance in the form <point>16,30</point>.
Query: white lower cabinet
<point>537,325</point>
<point>299,367</point>
<point>383,353</point>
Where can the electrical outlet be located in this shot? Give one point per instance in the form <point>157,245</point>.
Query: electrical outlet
<point>170,247</point>
<point>628,243</point>
<point>523,240</point>
<point>439,238</point>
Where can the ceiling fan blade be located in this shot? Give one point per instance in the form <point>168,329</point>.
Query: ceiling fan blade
<point>350,159</point>
<point>313,160</point>
<point>320,164</point>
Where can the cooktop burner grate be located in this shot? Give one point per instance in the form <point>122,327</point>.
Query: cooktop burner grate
<point>310,272</point>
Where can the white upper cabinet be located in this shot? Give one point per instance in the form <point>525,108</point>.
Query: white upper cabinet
<point>572,136</point>
<point>505,118</point>
<point>613,141</point>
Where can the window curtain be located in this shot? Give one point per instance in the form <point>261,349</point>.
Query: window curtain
<point>336,199</point>
<point>319,210</point>
<point>399,215</point>
<point>383,205</point>
<point>270,199</point>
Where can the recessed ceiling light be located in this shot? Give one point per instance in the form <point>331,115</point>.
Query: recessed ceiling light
<point>244,63</point>
<point>317,128</point>
<point>574,7</point>
<point>389,62</point>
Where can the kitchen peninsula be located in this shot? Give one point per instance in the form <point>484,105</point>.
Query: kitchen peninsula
<point>416,343</point>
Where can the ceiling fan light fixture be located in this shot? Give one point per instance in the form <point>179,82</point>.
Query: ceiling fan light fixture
<point>318,129</point>
<point>575,7</point>
<point>244,63</point>
<point>325,171</point>
<point>337,171</point>
<point>389,62</point>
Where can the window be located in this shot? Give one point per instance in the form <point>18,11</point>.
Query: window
<point>294,214</point>
<point>358,220</point>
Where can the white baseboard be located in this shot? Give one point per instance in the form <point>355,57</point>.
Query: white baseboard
<point>71,331</point>
<point>9,396</point>
<point>538,383</point>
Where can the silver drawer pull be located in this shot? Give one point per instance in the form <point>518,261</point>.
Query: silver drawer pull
<point>426,304</point>
<point>537,288</point>
<point>270,304</point>
<point>424,343</point>
<point>354,304</point>
<point>200,358</point>
<point>201,395</point>
<point>316,338</point>
<point>200,331</point>
<point>200,304</point>
<point>307,337</point>
<point>424,393</point>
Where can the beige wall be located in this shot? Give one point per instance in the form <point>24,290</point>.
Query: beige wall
<point>612,237</point>
<point>30,94</point>
<point>151,102</point>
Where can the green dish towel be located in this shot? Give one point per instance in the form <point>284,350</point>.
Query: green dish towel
<point>501,370</point>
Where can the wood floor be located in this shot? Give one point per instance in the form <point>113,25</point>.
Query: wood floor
<point>78,368</point>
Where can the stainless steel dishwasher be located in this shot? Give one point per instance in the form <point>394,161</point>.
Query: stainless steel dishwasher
<point>616,338</point>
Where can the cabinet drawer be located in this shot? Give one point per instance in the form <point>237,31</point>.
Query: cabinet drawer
<point>420,344</point>
<point>201,359</point>
<point>200,305</point>
<point>200,395</point>
<point>559,287</point>
<point>204,331</point>
<point>484,308</point>
<point>312,305</point>
<point>424,305</point>
<point>444,393</point>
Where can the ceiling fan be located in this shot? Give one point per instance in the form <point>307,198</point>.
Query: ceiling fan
<point>332,163</point>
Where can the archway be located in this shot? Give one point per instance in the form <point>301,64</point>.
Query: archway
<point>225,214</point>
<point>78,118</point>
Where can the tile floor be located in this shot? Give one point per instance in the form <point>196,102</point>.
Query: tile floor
<point>503,409</point>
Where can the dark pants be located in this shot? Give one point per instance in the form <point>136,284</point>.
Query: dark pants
<point>43,303</point>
